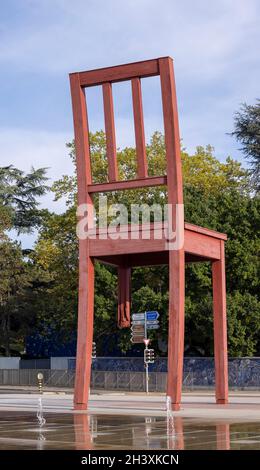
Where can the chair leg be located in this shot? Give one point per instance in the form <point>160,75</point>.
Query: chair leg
<point>176,327</point>
<point>124,293</point>
<point>220,328</point>
<point>85,329</point>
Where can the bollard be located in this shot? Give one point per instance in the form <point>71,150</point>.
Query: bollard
<point>40,382</point>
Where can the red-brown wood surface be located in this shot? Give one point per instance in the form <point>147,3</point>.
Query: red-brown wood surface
<point>81,137</point>
<point>110,132</point>
<point>139,128</point>
<point>176,256</point>
<point>117,73</point>
<point>86,266</point>
<point>199,243</point>
<point>220,327</point>
<point>124,289</point>
<point>85,328</point>
<point>194,243</point>
<point>154,226</point>
<point>128,184</point>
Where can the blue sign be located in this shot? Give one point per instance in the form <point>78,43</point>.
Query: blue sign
<point>152,315</point>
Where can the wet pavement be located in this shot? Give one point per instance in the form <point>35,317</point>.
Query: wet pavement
<point>20,430</point>
<point>128,421</point>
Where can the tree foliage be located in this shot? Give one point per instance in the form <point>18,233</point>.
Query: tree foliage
<point>247,132</point>
<point>217,195</point>
<point>19,193</point>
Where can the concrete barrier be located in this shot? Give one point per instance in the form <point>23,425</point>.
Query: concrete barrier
<point>61,363</point>
<point>9,362</point>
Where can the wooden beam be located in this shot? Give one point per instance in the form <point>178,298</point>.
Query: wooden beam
<point>85,327</point>
<point>128,184</point>
<point>201,245</point>
<point>110,132</point>
<point>81,137</point>
<point>176,256</point>
<point>142,170</point>
<point>124,289</point>
<point>220,328</point>
<point>195,243</point>
<point>86,266</point>
<point>118,73</point>
<point>205,231</point>
<point>171,130</point>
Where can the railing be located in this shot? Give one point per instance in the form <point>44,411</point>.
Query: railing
<point>118,380</point>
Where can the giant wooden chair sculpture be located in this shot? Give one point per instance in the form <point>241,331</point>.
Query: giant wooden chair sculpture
<point>200,244</point>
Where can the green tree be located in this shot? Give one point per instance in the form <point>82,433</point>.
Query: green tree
<point>247,132</point>
<point>19,193</point>
<point>217,195</point>
<point>15,278</point>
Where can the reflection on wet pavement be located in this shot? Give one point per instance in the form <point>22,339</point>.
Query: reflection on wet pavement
<point>20,430</point>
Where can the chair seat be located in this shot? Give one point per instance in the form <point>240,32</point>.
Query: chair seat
<point>146,244</point>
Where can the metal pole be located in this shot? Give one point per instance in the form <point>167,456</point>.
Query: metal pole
<point>147,378</point>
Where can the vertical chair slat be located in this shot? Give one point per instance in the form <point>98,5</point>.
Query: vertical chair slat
<point>81,137</point>
<point>139,128</point>
<point>110,131</point>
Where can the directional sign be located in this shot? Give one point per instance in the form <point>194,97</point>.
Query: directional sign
<point>153,327</point>
<point>152,315</point>
<point>138,322</point>
<point>138,316</point>
<point>138,336</point>
<point>138,331</point>
<point>142,320</point>
<point>137,327</point>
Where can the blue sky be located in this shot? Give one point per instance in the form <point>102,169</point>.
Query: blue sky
<point>214,45</point>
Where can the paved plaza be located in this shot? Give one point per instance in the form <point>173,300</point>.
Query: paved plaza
<point>128,421</point>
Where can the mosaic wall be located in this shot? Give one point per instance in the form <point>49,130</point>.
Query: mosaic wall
<point>198,371</point>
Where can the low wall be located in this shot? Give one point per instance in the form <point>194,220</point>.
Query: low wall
<point>9,362</point>
<point>198,373</point>
<point>61,363</point>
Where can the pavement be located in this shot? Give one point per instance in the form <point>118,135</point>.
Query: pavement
<point>242,405</point>
<point>117,420</point>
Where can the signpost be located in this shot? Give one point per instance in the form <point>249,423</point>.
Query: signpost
<point>141,323</point>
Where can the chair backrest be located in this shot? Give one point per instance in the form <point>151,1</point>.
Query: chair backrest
<point>106,77</point>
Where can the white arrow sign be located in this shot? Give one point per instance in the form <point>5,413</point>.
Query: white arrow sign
<point>153,327</point>
<point>138,316</point>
